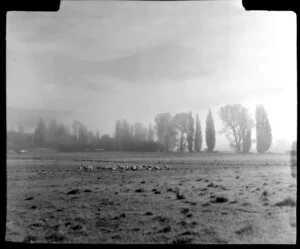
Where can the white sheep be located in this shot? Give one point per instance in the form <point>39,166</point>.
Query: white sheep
<point>167,166</point>
<point>86,167</point>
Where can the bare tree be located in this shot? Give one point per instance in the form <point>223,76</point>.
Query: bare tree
<point>52,131</point>
<point>150,133</point>
<point>127,135</point>
<point>181,124</point>
<point>237,121</point>
<point>139,132</point>
<point>40,134</point>
<point>164,129</point>
<point>247,141</point>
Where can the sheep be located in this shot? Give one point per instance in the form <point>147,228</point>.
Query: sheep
<point>100,167</point>
<point>149,167</point>
<point>86,167</point>
<point>167,166</point>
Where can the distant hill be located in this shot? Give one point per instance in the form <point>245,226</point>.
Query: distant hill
<point>28,118</point>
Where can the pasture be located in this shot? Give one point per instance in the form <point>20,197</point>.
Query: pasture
<point>202,198</point>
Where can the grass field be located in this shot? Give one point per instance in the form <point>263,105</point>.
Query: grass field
<point>203,198</point>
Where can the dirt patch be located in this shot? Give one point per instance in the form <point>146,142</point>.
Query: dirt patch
<point>30,239</point>
<point>166,229</point>
<point>29,198</point>
<point>160,219</point>
<point>55,237</point>
<point>212,185</point>
<point>187,212</point>
<point>179,196</point>
<point>189,232</point>
<point>36,225</point>
<point>182,240</point>
<point>87,191</point>
<point>286,202</point>
<point>140,190</point>
<point>220,199</point>
<point>73,192</point>
<point>247,230</point>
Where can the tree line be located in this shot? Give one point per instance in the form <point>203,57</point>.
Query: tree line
<point>180,132</point>
<point>238,125</point>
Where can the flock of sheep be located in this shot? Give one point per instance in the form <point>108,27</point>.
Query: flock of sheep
<point>124,167</point>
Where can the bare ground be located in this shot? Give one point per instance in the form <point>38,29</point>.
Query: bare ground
<point>206,198</point>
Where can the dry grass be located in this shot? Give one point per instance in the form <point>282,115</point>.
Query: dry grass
<point>49,200</point>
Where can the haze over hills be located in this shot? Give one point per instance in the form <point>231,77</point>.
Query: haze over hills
<point>28,118</point>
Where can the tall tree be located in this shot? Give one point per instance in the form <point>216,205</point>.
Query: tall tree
<point>20,129</point>
<point>64,135</point>
<point>80,134</point>
<point>91,137</point>
<point>150,133</point>
<point>106,142</point>
<point>139,133</point>
<point>210,133</point>
<point>191,132</point>
<point>181,124</point>
<point>127,135</point>
<point>40,134</point>
<point>165,130</point>
<point>247,141</point>
<point>198,135</point>
<point>52,132</point>
<point>118,135</point>
<point>83,135</point>
<point>263,130</point>
<point>75,131</point>
<point>237,121</point>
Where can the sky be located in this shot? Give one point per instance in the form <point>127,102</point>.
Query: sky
<point>109,60</point>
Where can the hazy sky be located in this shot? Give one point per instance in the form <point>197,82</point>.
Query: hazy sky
<point>115,59</point>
